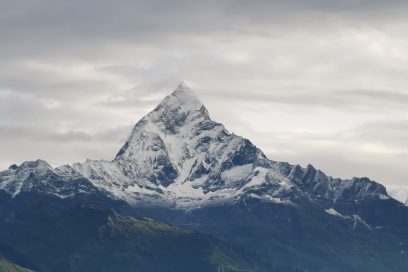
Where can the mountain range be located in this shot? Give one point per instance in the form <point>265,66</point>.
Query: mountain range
<point>212,197</point>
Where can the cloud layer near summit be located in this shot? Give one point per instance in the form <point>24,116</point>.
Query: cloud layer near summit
<point>321,82</point>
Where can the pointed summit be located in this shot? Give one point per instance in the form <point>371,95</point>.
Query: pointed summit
<point>182,98</point>
<point>182,87</point>
<point>177,113</point>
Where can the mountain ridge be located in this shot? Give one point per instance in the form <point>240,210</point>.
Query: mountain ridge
<point>178,156</point>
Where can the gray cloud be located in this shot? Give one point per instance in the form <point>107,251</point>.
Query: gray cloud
<point>308,81</point>
<point>374,149</point>
<point>346,99</point>
<point>45,134</point>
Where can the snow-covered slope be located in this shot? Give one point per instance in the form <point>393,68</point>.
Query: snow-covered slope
<point>317,185</point>
<point>399,192</point>
<point>176,155</point>
<point>39,176</point>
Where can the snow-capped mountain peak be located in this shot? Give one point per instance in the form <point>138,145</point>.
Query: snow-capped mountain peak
<point>177,111</point>
<point>179,149</point>
<point>182,99</point>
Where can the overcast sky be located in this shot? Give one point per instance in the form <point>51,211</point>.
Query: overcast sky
<point>318,81</point>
